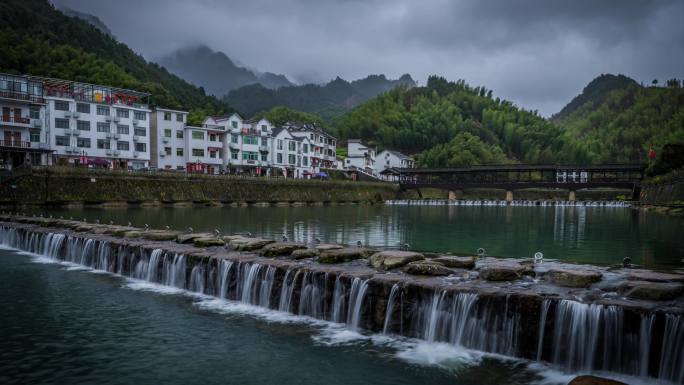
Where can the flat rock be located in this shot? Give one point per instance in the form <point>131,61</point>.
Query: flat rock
<point>249,244</point>
<point>328,246</point>
<point>133,234</point>
<point>426,268</point>
<point>343,255</point>
<point>594,380</point>
<point>655,291</point>
<point>228,238</point>
<point>654,276</point>
<point>119,231</point>
<point>574,277</point>
<point>304,253</point>
<point>190,237</point>
<point>392,259</point>
<point>502,271</point>
<point>456,262</point>
<point>159,235</point>
<point>281,248</point>
<point>208,242</point>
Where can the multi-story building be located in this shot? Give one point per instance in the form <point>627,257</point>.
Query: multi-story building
<point>291,155</point>
<point>23,129</point>
<point>168,138</point>
<point>360,156</point>
<point>323,145</point>
<point>247,143</point>
<point>93,124</point>
<point>204,146</point>
<point>392,159</point>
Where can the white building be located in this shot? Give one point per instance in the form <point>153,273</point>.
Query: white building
<point>360,157</point>
<point>323,145</point>
<point>169,151</point>
<point>97,125</point>
<point>291,155</point>
<point>23,129</point>
<point>247,143</point>
<point>205,148</point>
<point>392,159</point>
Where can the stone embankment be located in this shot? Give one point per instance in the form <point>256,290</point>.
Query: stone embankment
<point>101,188</point>
<point>631,320</point>
<point>664,194</point>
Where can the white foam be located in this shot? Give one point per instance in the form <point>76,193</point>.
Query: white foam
<point>439,354</point>
<point>135,284</point>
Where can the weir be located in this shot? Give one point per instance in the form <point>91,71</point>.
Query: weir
<point>639,338</point>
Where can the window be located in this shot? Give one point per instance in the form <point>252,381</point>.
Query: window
<point>103,144</point>
<point>83,125</point>
<point>233,124</point>
<point>234,155</point>
<point>121,113</point>
<point>264,157</point>
<point>212,137</point>
<point>140,115</point>
<point>264,141</point>
<point>62,140</point>
<point>34,136</point>
<point>122,129</point>
<point>305,161</point>
<point>141,147</point>
<point>61,105</point>
<point>61,123</point>
<point>197,152</point>
<point>83,108</point>
<point>291,159</point>
<point>167,116</point>
<point>291,145</point>
<point>140,131</point>
<point>34,113</point>
<point>123,146</point>
<point>279,158</point>
<point>305,148</point>
<point>167,150</point>
<point>102,110</point>
<point>102,127</point>
<point>212,154</point>
<point>280,144</point>
<point>233,138</point>
<point>179,134</point>
<point>179,117</point>
<point>198,135</point>
<point>249,155</point>
<point>167,133</point>
<point>251,140</point>
<point>179,151</point>
<point>264,128</point>
<point>83,142</point>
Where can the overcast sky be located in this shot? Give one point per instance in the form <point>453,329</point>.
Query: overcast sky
<point>536,53</point>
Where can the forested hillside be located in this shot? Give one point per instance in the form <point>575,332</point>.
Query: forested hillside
<point>39,40</point>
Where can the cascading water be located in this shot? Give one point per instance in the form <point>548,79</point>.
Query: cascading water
<point>311,296</point>
<point>267,287</point>
<point>224,278</point>
<point>339,303</point>
<point>672,354</point>
<point>356,296</point>
<point>287,291</point>
<point>173,273</point>
<point>197,278</point>
<point>390,308</point>
<point>249,280</point>
<point>153,265</point>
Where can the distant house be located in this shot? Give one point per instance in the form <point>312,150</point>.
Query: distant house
<point>388,159</point>
<point>360,156</point>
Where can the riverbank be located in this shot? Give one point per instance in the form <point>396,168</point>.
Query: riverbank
<point>479,304</point>
<point>100,188</point>
<point>664,194</point>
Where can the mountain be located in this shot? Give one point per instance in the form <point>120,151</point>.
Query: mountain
<point>90,19</point>
<point>37,39</point>
<point>619,123</point>
<point>595,92</point>
<point>328,100</point>
<point>216,72</point>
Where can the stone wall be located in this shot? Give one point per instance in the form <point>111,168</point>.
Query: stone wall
<point>58,187</point>
<point>664,190</point>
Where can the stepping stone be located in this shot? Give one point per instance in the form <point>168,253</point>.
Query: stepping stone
<point>304,253</point>
<point>190,237</point>
<point>207,242</point>
<point>654,276</point>
<point>656,291</point>
<point>574,277</point>
<point>249,244</point>
<point>456,262</point>
<point>427,268</point>
<point>344,254</point>
<point>392,259</point>
<point>502,271</point>
<point>281,248</point>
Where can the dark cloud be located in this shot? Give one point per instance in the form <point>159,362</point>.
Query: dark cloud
<point>537,53</point>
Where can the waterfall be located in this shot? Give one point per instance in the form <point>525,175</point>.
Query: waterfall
<point>356,296</point>
<point>542,327</point>
<point>338,302</point>
<point>645,331</point>
<point>197,277</point>
<point>311,296</point>
<point>266,287</point>
<point>672,353</point>
<point>103,262</point>
<point>153,265</point>
<point>390,308</point>
<point>249,278</point>
<point>224,277</point>
<point>287,291</point>
<point>173,273</point>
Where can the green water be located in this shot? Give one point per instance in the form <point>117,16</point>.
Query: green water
<point>597,235</point>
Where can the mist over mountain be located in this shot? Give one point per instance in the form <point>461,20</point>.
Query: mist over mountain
<point>88,18</point>
<point>216,72</point>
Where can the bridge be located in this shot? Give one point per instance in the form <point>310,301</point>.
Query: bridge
<point>520,176</point>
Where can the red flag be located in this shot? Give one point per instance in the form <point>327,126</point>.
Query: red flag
<point>651,153</point>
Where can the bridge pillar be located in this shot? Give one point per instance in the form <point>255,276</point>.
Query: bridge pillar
<point>509,196</point>
<point>571,196</point>
<point>455,195</point>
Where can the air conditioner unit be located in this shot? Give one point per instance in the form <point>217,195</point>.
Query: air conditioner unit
<point>109,135</point>
<point>117,119</point>
<point>108,118</point>
<point>37,123</point>
<point>75,132</point>
<point>109,152</point>
<point>136,138</point>
<point>75,115</point>
<point>117,136</point>
<point>67,114</point>
<point>165,140</point>
<point>116,152</point>
<point>135,154</point>
<point>135,122</point>
<point>162,154</point>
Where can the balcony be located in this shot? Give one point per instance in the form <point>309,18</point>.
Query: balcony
<point>15,143</point>
<point>234,146</point>
<point>15,120</point>
<point>263,148</point>
<point>23,96</point>
<point>36,123</point>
